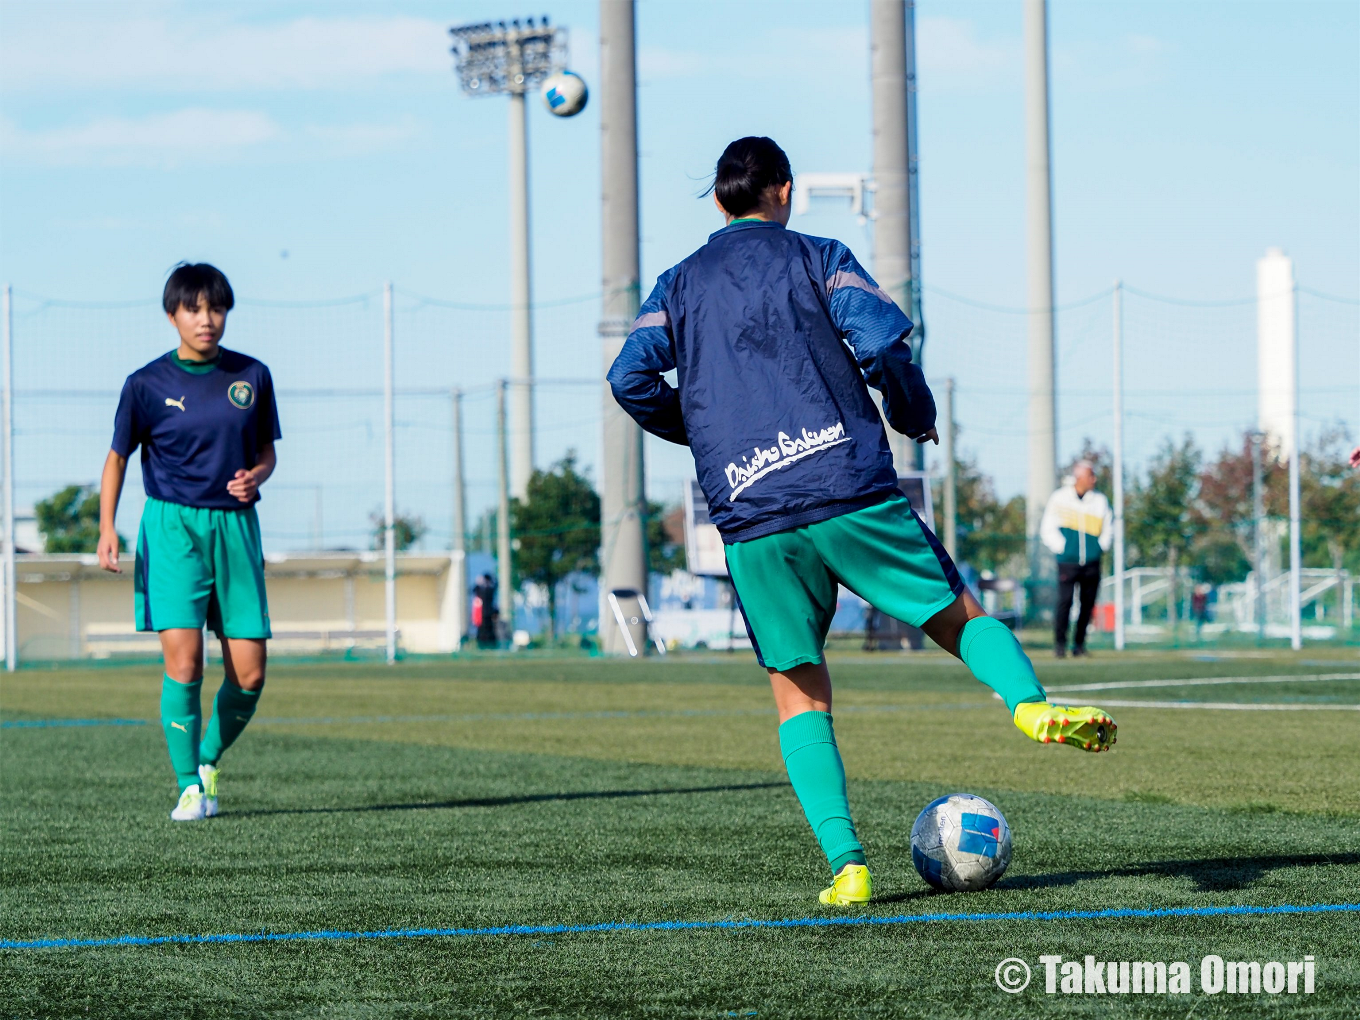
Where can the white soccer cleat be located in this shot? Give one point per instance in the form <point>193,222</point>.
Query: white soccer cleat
<point>191,805</point>
<point>208,773</point>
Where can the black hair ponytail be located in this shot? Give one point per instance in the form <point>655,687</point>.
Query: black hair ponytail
<point>745,169</point>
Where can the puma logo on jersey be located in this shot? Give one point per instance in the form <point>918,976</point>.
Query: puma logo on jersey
<point>172,402</point>
<point>180,726</point>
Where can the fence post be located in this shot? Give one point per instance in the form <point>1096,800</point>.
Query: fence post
<point>1257,537</point>
<point>505,574</point>
<point>1295,552</point>
<point>11,627</point>
<point>1119,465</point>
<point>457,589</point>
<point>951,528</point>
<point>389,480</point>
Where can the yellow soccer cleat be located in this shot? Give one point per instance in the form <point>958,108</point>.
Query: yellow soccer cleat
<point>851,887</point>
<point>1087,728</point>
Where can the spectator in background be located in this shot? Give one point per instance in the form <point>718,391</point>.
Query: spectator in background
<point>1355,457</point>
<point>1077,526</point>
<point>1199,607</point>
<point>484,613</point>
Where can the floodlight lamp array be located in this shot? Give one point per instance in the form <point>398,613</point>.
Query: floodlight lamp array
<point>513,56</point>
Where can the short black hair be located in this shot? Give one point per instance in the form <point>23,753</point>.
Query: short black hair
<point>191,280</point>
<point>745,169</point>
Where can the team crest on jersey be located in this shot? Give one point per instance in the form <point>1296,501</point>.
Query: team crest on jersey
<point>241,394</point>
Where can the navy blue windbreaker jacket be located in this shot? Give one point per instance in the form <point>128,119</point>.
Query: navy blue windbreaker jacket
<point>773,335</point>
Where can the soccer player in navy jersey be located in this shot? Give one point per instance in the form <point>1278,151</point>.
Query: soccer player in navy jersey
<point>775,338</point>
<point>206,421</point>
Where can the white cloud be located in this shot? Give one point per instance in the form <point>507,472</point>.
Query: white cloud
<point>73,48</point>
<point>183,136</point>
<point>352,139</point>
<point>195,136</point>
<point>950,54</point>
<point>659,62</point>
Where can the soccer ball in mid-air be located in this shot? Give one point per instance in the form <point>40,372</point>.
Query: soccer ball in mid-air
<point>565,93</point>
<point>961,843</point>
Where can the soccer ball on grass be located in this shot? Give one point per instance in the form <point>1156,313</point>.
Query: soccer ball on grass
<point>960,843</point>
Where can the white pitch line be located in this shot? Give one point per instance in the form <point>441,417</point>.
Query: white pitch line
<point>1233,706</point>
<point>1205,681</point>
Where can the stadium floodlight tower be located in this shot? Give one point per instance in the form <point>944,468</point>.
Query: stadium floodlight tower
<point>511,58</point>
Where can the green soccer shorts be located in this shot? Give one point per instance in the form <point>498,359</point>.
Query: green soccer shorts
<point>196,567</point>
<point>786,582</point>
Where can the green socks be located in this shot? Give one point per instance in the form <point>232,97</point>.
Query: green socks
<point>989,649</point>
<point>182,719</point>
<point>808,745</point>
<point>232,709</point>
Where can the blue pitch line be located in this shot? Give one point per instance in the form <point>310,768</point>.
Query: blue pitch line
<point>493,716</point>
<point>45,723</point>
<point>615,926</point>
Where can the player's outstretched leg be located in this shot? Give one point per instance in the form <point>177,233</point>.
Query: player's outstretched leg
<point>807,741</point>
<point>991,652</point>
<point>233,708</point>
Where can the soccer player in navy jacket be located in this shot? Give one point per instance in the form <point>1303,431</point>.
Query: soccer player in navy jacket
<point>205,419</point>
<point>775,337</point>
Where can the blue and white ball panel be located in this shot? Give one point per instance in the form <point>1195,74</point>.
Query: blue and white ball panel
<point>565,94</point>
<point>960,843</point>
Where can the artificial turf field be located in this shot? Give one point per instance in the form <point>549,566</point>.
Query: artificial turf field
<point>493,792</point>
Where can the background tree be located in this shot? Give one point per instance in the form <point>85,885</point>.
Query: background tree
<point>557,529</point>
<point>1225,506</point>
<point>991,534</point>
<point>665,538</point>
<point>407,530</point>
<point>69,520</point>
<point>1329,504</point>
<point>1162,521</point>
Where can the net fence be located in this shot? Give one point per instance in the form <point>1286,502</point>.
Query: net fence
<point>1190,370</point>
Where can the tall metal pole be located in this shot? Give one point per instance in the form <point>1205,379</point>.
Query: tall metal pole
<point>1295,551</point>
<point>916,451</point>
<point>1043,452</point>
<point>521,312</point>
<point>458,547</point>
<point>892,172</point>
<point>389,480</point>
<point>1119,464</point>
<point>623,554</point>
<point>505,578</point>
<point>951,527</point>
<point>11,627</point>
<point>1258,513</point>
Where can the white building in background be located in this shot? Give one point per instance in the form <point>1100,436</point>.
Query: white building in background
<point>1276,357</point>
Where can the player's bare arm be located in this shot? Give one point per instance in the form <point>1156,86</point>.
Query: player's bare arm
<point>247,483</point>
<point>110,489</point>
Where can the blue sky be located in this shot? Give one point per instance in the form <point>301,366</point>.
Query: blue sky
<point>1187,138</point>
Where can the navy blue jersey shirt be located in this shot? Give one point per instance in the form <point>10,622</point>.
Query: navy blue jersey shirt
<point>773,335</point>
<point>196,430</point>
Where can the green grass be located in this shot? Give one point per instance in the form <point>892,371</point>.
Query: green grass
<point>493,792</point>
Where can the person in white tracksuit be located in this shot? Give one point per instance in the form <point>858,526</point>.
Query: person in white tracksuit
<point>1077,526</point>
